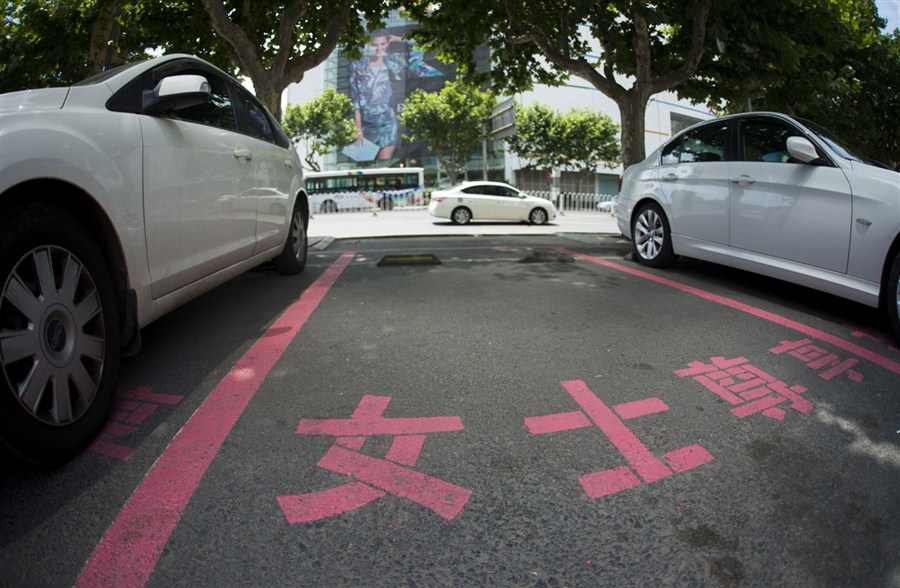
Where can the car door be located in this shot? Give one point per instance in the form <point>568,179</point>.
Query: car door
<point>694,179</point>
<point>199,191</point>
<point>276,169</point>
<point>509,204</point>
<point>481,199</point>
<point>784,208</point>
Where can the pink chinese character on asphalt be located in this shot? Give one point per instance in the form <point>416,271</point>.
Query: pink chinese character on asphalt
<point>817,358</point>
<point>130,409</point>
<point>746,386</point>
<point>375,477</point>
<point>610,421</point>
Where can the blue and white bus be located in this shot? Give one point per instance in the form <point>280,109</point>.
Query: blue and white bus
<point>364,189</point>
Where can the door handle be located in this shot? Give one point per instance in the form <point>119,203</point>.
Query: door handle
<point>288,164</point>
<point>743,179</point>
<point>669,178</point>
<point>241,153</point>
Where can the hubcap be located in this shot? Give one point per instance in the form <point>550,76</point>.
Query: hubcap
<point>898,297</point>
<point>52,335</point>
<point>298,237</point>
<point>649,234</point>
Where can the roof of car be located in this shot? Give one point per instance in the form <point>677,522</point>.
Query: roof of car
<point>480,183</point>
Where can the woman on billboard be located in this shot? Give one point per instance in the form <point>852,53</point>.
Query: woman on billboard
<point>371,92</point>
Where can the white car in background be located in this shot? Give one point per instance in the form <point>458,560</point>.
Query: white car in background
<point>489,201</point>
<point>121,198</point>
<point>771,194</point>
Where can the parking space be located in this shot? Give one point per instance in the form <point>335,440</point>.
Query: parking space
<point>528,410</point>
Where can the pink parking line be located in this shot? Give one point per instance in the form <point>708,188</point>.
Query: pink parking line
<point>554,423</point>
<point>131,547</point>
<point>405,450</point>
<point>848,346</point>
<point>111,449</point>
<point>442,497</point>
<point>639,408</point>
<point>144,394</point>
<point>757,406</point>
<point>378,426</point>
<point>645,463</point>
<point>369,407</point>
<point>328,503</point>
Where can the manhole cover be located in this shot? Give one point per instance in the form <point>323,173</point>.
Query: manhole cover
<point>417,259</point>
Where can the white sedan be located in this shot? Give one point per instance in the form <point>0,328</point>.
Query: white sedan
<point>489,201</point>
<point>121,198</point>
<point>771,194</point>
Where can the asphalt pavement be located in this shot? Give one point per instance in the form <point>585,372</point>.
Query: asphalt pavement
<point>488,405</point>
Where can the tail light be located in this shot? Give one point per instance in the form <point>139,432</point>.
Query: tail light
<point>438,198</point>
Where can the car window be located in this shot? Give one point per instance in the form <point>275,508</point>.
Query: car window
<point>508,192</point>
<point>251,117</point>
<point>766,140</point>
<point>218,112</point>
<point>476,190</point>
<point>706,143</point>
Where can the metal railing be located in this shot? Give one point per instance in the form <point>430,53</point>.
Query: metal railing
<point>579,202</point>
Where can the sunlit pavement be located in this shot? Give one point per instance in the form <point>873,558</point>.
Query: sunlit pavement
<point>417,222</point>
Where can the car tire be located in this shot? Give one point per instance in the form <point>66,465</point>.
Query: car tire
<point>386,203</point>
<point>461,215</point>
<point>892,297</point>
<point>328,207</point>
<point>60,342</point>
<point>651,238</point>
<point>292,258</point>
<point>538,216</point>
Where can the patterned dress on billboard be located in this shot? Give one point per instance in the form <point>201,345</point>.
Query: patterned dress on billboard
<point>370,90</point>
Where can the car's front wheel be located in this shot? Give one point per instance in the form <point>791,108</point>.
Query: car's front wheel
<point>538,216</point>
<point>59,336</point>
<point>651,238</point>
<point>461,216</point>
<point>892,299</point>
<point>292,258</point>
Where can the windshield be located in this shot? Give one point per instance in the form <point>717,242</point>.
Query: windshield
<point>837,145</point>
<point>105,75</point>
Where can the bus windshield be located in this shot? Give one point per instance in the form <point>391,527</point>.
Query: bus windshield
<point>364,189</point>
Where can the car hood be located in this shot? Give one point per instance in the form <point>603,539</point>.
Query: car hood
<point>43,99</point>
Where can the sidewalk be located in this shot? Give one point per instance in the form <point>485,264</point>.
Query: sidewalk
<point>417,222</point>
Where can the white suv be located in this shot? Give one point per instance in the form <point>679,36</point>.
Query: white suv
<point>121,198</point>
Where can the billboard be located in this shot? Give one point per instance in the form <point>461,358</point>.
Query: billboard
<point>390,70</point>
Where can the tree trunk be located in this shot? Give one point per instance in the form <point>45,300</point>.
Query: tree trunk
<point>269,91</point>
<point>632,110</point>
<point>105,33</point>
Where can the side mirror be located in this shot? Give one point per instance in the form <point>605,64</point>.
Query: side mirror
<point>175,93</point>
<point>802,150</point>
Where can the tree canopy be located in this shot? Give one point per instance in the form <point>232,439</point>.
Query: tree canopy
<point>656,46</point>
<point>580,139</point>
<point>274,42</point>
<point>58,42</point>
<point>836,68</point>
<point>321,125</point>
<point>632,49</point>
<point>452,122</point>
